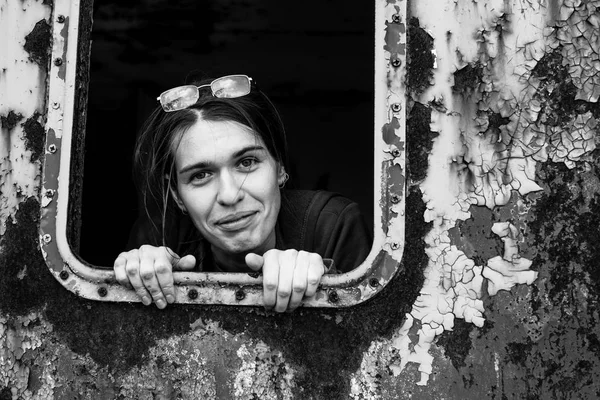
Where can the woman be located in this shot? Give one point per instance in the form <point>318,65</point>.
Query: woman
<point>212,162</point>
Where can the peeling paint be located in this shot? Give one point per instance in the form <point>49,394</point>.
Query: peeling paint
<point>497,296</point>
<point>37,43</point>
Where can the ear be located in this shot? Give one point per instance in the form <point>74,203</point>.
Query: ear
<point>175,195</point>
<point>282,176</point>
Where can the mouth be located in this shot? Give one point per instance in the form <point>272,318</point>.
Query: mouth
<point>236,221</point>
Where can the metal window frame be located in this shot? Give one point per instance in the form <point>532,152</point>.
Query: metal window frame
<point>238,289</point>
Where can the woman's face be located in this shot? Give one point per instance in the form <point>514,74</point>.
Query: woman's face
<point>228,182</point>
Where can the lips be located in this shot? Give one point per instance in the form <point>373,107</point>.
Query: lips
<point>235,221</point>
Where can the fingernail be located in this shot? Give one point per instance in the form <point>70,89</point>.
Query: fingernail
<point>161,303</point>
<point>170,299</point>
<point>146,301</point>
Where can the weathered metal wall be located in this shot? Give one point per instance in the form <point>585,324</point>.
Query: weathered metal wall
<point>498,295</point>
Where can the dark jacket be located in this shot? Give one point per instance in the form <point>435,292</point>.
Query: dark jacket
<point>319,222</point>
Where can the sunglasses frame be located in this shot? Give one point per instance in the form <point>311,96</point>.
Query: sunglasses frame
<point>196,95</point>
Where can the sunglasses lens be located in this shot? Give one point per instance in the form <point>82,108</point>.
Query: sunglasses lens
<point>179,98</point>
<point>231,86</point>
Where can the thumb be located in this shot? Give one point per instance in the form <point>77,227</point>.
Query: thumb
<point>185,263</point>
<point>254,261</point>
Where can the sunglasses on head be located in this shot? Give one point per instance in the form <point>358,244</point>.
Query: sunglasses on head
<point>230,86</point>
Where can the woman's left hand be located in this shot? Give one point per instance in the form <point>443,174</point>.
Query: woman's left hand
<point>289,276</point>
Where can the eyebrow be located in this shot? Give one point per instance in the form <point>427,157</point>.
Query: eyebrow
<point>202,164</point>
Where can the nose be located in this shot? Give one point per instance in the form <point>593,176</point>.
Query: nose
<point>230,189</point>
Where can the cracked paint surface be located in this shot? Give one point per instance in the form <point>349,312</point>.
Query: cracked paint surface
<point>202,363</point>
<point>24,34</point>
<point>505,206</point>
<point>500,105</point>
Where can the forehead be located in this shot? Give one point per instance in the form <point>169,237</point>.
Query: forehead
<point>213,140</point>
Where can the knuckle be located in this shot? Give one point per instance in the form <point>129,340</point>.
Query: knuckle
<point>314,281</point>
<point>283,293</point>
<point>270,285</point>
<point>299,288</point>
<point>303,253</point>
<point>291,252</point>
<point>146,275</point>
<point>315,258</point>
<point>132,268</point>
<point>162,268</point>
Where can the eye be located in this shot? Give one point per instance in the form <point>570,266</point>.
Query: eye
<point>248,163</point>
<point>199,177</point>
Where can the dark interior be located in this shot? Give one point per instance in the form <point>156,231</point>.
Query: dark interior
<point>313,58</point>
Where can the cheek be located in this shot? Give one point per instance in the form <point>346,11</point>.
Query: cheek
<point>196,203</point>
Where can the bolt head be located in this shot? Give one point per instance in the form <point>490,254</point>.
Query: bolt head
<point>240,295</point>
<point>333,296</point>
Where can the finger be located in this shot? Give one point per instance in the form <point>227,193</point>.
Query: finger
<point>132,267</point>
<point>270,278</point>
<point>315,272</point>
<point>164,275</point>
<point>254,261</point>
<point>300,280</point>
<point>185,263</point>
<point>148,275</point>
<point>287,264</point>
<point>120,273</point>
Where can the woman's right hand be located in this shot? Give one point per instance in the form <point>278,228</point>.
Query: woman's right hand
<point>149,271</point>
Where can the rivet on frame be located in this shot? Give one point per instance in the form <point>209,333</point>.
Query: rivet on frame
<point>56,105</point>
<point>395,62</point>
<point>50,193</point>
<point>60,19</point>
<point>395,18</point>
<point>193,294</point>
<point>102,291</point>
<point>239,294</point>
<point>374,282</point>
<point>58,61</point>
<point>395,199</point>
<point>52,148</point>
<point>395,245</point>
<point>64,275</point>
<point>396,107</point>
<point>396,152</point>
<point>47,238</point>
<point>333,296</point>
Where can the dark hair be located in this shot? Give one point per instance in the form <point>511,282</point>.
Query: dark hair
<point>153,160</point>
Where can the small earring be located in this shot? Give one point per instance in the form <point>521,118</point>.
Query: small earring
<point>285,179</point>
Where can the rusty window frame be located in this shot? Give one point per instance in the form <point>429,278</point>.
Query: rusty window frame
<point>342,290</point>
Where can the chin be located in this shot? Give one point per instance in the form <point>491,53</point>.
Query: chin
<point>240,247</point>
